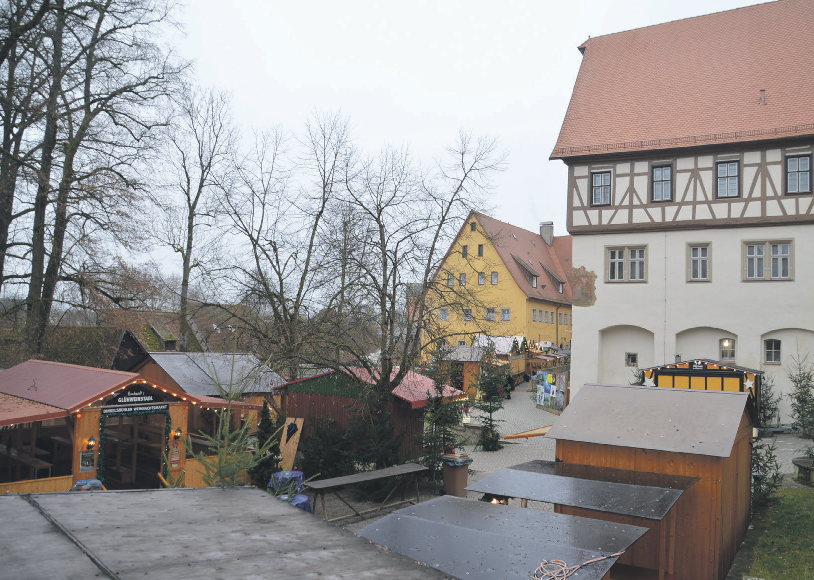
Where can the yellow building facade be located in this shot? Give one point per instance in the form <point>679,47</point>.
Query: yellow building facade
<point>501,280</point>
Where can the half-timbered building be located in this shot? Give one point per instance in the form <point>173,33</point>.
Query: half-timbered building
<point>689,153</point>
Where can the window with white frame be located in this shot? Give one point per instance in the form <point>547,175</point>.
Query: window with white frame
<point>546,316</point>
<point>494,277</point>
<point>534,281</point>
<point>534,315</point>
<point>727,178</point>
<point>626,264</point>
<point>505,314</point>
<point>699,262</point>
<point>450,279</point>
<point>601,188</point>
<point>798,174</point>
<point>443,313</point>
<point>728,349</point>
<point>481,278</point>
<point>462,279</point>
<point>490,314</point>
<point>662,183</point>
<point>768,260</point>
<point>772,350</point>
<point>467,314</point>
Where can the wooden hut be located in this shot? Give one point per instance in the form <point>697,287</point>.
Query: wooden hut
<point>704,434</point>
<point>62,423</point>
<point>336,395</point>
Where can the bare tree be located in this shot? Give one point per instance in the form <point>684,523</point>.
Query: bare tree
<point>200,148</point>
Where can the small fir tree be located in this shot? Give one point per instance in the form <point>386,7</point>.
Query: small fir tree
<point>769,401</point>
<point>268,429</point>
<point>491,381</point>
<point>801,375</point>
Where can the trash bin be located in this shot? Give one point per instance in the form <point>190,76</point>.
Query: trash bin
<point>456,473</point>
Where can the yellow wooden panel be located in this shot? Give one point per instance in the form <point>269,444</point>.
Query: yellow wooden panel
<point>714,384</point>
<point>288,448</point>
<point>87,425</point>
<point>682,382</point>
<point>732,384</point>
<point>46,485</point>
<point>698,383</point>
<point>664,381</point>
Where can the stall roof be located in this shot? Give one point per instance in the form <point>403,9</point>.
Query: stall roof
<point>678,420</point>
<point>18,410</point>
<point>413,389</point>
<point>477,540</point>
<point>201,373</point>
<point>65,386</point>
<point>236,533</point>
<point>717,364</point>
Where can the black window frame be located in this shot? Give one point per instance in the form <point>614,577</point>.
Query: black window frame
<point>465,251</point>
<point>786,173</point>
<point>653,182</point>
<point>737,176</point>
<point>473,226</point>
<point>480,250</point>
<point>609,185</point>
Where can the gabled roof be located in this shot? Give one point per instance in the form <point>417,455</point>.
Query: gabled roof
<point>68,387</point>
<point>503,344</point>
<point>18,410</point>
<point>413,388</point>
<point>200,374</point>
<point>696,81</point>
<point>517,246</point>
<point>677,420</point>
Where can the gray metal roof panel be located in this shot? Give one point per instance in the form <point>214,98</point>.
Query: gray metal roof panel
<point>661,419</point>
<point>201,373</point>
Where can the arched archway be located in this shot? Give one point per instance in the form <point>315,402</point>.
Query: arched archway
<point>622,349</point>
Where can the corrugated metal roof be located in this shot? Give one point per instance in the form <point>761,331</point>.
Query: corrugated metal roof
<point>61,385</point>
<point>201,373</point>
<point>18,410</point>
<point>695,81</point>
<point>678,420</point>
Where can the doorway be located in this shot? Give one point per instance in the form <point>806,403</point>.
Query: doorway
<point>133,450</point>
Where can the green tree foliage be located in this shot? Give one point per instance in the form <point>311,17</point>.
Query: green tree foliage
<point>491,381</point>
<point>324,452</point>
<point>769,401</point>
<point>268,429</point>
<point>766,468</point>
<point>801,375</point>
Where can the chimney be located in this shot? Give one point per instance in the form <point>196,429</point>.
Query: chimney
<point>547,232</point>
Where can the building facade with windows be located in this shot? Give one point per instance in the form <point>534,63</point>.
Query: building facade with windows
<point>501,280</point>
<point>689,152</point>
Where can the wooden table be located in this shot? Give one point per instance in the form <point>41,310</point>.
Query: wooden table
<point>333,484</point>
<point>29,461</point>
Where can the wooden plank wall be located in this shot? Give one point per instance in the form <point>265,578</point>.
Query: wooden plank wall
<point>735,496</point>
<point>698,517</point>
<point>87,425</point>
<point>49,484</point>
<point>409,426</point>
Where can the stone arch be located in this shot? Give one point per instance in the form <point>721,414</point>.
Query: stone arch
<point>703,342</point>
<point>615,342</point>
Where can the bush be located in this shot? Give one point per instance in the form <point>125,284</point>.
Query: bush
<point>325,453</point>
<point>769,401</point>
<point>801,375</point>
<point>766,469</point>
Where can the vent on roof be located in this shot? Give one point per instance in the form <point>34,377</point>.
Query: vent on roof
<point>762,96</point>
<point>532,243</point>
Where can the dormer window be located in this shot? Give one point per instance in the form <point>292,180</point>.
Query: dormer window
<point>559,287</point>
<point>534,281</point>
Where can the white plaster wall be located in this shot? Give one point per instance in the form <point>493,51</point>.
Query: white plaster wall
<point>668,306</point>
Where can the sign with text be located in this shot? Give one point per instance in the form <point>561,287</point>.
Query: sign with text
<point>134,394</point>
<point>143,409</point>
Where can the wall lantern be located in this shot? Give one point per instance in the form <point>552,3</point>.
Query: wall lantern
<point>91,443</point>
<point>178,434</point>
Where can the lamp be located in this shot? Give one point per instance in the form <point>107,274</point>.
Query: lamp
<point>178,434</point>
<point>91,443</point>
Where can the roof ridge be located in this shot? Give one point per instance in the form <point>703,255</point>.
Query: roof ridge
<point>84,368</point>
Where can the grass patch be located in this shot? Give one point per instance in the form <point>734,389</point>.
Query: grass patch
<point>784,537</point>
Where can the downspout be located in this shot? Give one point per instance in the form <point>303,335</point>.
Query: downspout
<point>557,323</point>
<point>664,322</point>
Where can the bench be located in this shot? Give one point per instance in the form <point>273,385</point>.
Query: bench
<point>333,484</point>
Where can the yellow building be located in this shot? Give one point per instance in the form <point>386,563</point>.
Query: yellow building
<point>501,280</point>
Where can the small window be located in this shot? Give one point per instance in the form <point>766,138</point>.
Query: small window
<point>699,263</point>
<point>467,314</point>
<point>631,359</point>
<point>798,174</point>
<point>663,183</point>
<point>616,259</point>
<point>559,287</point>
<point>572,319</point>
<point>534,315</point>
<point>754,261</point>
<point>450,279</point>
<point>728,349</point>
<point>560,318</point>
<point>473,226</point>
<point>772,351</point>
<point>490,314</point>
<point>462,279</point>
<point>546,316</point>
<point>481,278</point>
<point>728,179</point>
<point>637,264</point>
<point>534,281</point>
<point>480,250</point>
<point>601,188</point>
<point>780,261</point>
<point>464,251</point>
<point>443,313</point>
<point>461,343</point>
<point>505,314</point>
<point>494,277</point>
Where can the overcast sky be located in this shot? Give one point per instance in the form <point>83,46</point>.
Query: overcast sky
<point>415,72</point>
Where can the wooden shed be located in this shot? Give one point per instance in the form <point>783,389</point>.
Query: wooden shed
<point>62,423</point>
<point>704,434</point>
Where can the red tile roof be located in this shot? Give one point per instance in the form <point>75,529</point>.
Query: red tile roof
<point>695,81</point>
<point>413,389</point>
<point>514,244</point>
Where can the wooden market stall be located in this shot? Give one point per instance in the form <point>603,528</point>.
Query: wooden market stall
<point>679,432</point>
<point>63,423</point>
